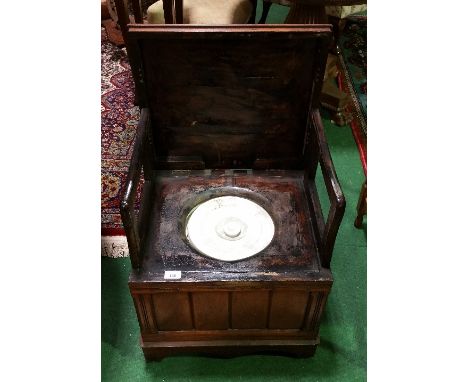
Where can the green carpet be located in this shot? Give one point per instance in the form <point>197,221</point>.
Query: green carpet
<point>341,355</point>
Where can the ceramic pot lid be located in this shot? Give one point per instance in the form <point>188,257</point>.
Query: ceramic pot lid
<point>229,228</point>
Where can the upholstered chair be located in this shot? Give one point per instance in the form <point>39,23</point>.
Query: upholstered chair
<point>207,12</point>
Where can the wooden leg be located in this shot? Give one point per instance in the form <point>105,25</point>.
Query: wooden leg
<point>338,27</point>
<point>265,10</point>
<point>254,12</point>
<point>361,206</point>
<point>336,101</point>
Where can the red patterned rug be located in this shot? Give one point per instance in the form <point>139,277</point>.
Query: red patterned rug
<point>119,119</point>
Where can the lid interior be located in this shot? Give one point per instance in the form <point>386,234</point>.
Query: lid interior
<point>234,97</point>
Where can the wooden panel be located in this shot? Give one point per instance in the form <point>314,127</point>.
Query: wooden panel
<point>211,310</point>
<point>173,311</point>
<point>288,309</point>
<point>231,96</point>
<point>312,314</point>
<point>145,311</point>
<point>249,310</point>
<point>320,300</point>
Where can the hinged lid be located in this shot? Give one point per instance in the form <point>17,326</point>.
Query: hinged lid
<point>230,96</point>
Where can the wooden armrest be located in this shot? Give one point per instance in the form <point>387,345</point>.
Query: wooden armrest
<point>127,204</point>
<point>328,230</point>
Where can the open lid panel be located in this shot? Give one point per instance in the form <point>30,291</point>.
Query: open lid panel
<point>229,96</point>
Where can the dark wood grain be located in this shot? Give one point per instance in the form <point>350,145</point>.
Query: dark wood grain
<point>173,311</point>
<point>291,301</point>
<point>218,313</point>
<point>179,12</point>
<point>335,194</point>
<point>213,97</point>
<point>210,310</point>
<point>122,15</point>
<point>168,8</point>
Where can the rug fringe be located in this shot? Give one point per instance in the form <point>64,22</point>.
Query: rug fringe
<point>114,246</point>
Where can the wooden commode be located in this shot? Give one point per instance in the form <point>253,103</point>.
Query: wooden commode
<point>230,111</point>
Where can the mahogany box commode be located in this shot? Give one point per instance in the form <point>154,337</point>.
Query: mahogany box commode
<point>230,111</point>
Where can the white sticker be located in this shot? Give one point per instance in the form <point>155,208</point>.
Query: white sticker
<point>172,275</point>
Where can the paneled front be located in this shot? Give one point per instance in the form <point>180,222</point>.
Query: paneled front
<point>259,310</point>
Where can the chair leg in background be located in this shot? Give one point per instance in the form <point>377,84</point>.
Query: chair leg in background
<point>361,206</point>
<point>338,27</point>
<point>265,10</point>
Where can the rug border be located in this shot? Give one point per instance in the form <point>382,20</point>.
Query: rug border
<point>114,246</point>
<point>112,231</point>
